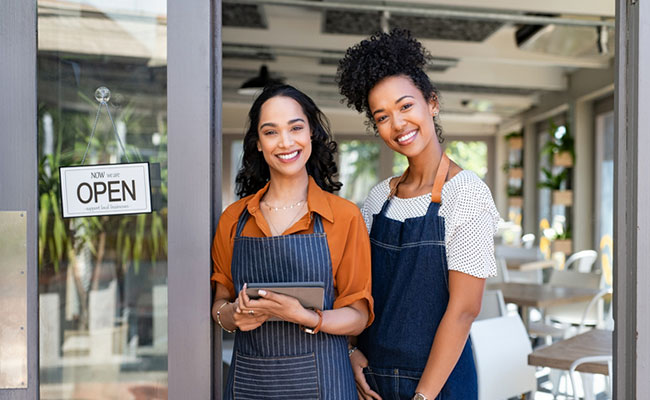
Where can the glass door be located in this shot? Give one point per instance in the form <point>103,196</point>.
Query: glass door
<point>102,279</point>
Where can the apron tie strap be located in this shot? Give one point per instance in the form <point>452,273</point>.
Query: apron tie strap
<point>441,177</point>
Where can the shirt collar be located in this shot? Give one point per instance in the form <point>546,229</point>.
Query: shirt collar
<point>316,200</point>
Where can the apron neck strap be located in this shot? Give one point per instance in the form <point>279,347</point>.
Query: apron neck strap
<point>441,177</point>
<point>241,222</point>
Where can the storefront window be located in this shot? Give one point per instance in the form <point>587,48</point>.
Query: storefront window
<point>102,279</point>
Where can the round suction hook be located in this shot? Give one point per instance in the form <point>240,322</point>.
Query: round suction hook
<point>102,94</point>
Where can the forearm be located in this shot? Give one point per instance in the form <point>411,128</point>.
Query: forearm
<point>448,344</point>
<point>349,321</point>
<point>226,309</point>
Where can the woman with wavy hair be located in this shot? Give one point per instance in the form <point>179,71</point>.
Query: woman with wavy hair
<point>431,232</point>
<point>289,227</point>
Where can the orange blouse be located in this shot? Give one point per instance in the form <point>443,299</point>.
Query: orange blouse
<point>346,232</point>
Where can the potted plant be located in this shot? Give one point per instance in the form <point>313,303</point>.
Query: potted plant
<point>555,182</point>
<point>515,198</point>
<point>515,139</point>
<point>559,236</point>
<point>560,146</point>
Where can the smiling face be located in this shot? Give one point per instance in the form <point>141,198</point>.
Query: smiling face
<point>404,118</point>
<point>284,136</point>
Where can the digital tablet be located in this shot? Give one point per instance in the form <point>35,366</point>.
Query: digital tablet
<point>310,294</point>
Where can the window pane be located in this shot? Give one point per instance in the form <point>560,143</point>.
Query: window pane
<point>102,280</point>
<point>358,166</point>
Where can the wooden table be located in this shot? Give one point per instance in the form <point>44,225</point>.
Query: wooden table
<point>540,296</point>
<point>530,265</point>
<point>562,354</point>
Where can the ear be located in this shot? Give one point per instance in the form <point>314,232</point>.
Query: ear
<point>434,106</point>
<point>259,146</point>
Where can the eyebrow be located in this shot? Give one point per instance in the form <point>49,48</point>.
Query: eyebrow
<point>396,101</point>
<point>273,125</point>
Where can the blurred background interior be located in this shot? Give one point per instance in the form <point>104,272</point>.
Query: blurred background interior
<point>527,104</point>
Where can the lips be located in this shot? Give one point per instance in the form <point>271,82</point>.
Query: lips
<point>288,157</point>
<point>407,137</point>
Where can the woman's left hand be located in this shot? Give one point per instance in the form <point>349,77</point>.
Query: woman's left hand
<point>284,307</point>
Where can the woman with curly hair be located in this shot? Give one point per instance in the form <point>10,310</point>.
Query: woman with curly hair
<point>431,233</point>
<point>289,227</point>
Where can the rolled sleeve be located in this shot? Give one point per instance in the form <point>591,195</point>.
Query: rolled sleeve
<point>353,275</point>
<point>222,246</point>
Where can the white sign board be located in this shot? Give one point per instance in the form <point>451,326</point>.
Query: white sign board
<point>110,189</point>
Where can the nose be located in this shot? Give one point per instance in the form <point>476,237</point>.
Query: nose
<point>286,140</point>
<point>398,123</point>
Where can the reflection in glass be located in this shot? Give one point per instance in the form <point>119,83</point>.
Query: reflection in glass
<point>102,280</point>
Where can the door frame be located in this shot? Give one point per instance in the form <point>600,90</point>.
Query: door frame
<point>194,154</point>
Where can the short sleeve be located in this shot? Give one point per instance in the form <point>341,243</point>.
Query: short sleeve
<point>470,225</point>
<point>375,200</point>
<point>222,246</point>
<point>353,274</point>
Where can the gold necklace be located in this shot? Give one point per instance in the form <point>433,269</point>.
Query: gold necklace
<point>290,206</point>
<point>279,232</point>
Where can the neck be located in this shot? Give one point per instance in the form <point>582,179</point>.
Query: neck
<point>423,167</point>
<point>287,189</point>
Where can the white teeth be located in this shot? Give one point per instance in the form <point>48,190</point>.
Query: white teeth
<point>288,156</point>
<point>406,137</point>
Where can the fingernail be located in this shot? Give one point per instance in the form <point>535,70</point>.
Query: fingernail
<point>238,310</point>
<point>244,288</point>
<point>261,292</point>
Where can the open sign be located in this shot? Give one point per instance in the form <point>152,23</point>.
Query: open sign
<point>111,189</point>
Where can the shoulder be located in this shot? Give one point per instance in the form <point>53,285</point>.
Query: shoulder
<point>231,214</point>
<point>466,194</point>
<point>378,194</point>
<point>342,208</point>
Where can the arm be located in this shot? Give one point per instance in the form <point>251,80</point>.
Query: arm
<point>349,320</point>
<point>465,295</point>
<point>231,316</point>
<point>350,254</point>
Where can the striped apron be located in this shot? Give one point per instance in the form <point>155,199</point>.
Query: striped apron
<point>278,360</point>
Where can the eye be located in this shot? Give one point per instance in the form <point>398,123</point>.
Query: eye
<point>381,118</point>
<point>297,128</point>
<point>407,106</point>
<point>269,132</point>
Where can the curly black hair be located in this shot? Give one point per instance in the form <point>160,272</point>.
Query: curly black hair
<point>380,56</point>
<point>254,172</point>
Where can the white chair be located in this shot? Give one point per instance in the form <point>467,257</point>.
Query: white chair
<point>492,305</point>
<point>606,323</point>
<point>502,272</point>
<point>582,261</point>
<point>574,313</point>
<point>582,360</point>
<point>501,347</point>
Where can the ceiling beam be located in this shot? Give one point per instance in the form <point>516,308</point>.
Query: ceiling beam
<point>438,12</point>
<point>483,74</point>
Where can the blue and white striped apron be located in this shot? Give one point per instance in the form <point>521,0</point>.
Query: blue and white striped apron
<point>278,360</point>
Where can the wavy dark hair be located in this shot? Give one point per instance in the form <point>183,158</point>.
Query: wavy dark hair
<point>380,56</point>
<point>254,172</point>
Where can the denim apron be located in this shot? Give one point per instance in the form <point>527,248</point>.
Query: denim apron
<point>411,293</point>
<point>278,360</point>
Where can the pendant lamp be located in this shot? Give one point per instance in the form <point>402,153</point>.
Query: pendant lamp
<point>256,84</point>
